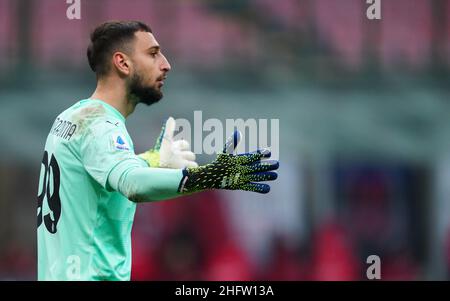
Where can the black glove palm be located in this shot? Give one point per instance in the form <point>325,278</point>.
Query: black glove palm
<point>233,172</point>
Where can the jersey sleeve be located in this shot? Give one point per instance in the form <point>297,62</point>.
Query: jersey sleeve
<point>103,146</point>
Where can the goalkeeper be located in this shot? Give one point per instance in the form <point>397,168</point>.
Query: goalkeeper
<point>91,178</point>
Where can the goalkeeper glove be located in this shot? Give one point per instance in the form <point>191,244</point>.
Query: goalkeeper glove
<point>168,153</point>
<point>233,172</point>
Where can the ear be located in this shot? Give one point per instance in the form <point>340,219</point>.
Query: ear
<point>122,63</point>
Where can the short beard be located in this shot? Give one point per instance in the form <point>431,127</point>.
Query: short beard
<point>141,94</point>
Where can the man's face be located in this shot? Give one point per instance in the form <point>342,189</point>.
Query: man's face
<point>150,68</point>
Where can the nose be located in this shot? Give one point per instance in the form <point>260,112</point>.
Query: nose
<point>165,66</point>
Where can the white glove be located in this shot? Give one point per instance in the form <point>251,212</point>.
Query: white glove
<point>168,153</point>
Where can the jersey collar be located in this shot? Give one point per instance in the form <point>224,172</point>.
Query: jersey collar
<point>109,108</point>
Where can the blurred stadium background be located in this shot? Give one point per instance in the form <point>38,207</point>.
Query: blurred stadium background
<point>364,133</point>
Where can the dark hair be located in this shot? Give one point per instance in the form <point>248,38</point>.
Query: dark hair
<point>109,37</point>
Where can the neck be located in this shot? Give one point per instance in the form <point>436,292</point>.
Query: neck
<point>114,93</point>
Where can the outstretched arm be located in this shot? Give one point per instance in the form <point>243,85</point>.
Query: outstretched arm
<point>228,171</point>
<point>144,184</point>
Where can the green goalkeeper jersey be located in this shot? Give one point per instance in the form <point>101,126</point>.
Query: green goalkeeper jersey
<point>83,226</point>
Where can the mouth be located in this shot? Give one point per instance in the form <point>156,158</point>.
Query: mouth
<point>160,80</point>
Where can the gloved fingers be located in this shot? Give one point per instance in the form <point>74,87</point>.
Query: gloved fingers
<point>262,176</point>
<point>160,137</point>
<point>165,143</point>
<point>265,165</point>
<point>255,187</point>
<point>169,129</point>
<point>187,155</point>
<point>232,142</point>
<point>181,145</point>
<point>263,153</point>
<point>247,158</point>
